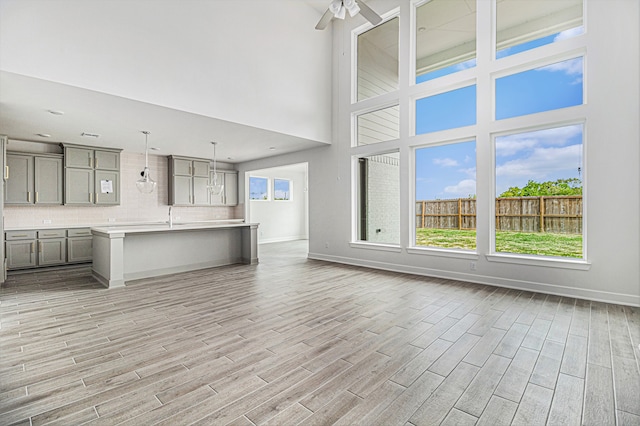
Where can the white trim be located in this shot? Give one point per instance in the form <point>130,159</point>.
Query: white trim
<point>558,290</point>
<point>546,262</point>
<point>376,246</point>
<point>443,252</point>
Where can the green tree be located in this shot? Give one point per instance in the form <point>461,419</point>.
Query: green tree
<point>572,186</point>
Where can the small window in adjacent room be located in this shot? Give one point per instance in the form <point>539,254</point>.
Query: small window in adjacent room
<point>446,196</point>
<point>377,67</point>
<point>281,190</point>
<point>258,188</point>
<point>546,88</point>
<point>379,198</point>
<point>445,38</point>
<point>538,208</point>
<point>448,110</point>
<point>378,126</point>
<point>527,24</point>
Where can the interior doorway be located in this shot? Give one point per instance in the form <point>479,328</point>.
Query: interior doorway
<point>278,199</point>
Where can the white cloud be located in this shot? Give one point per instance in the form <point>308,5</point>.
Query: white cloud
<point>569,33</point>
<point>569,67</point>
<point>445,162</point>
<point>522,142</point>
<point>541,163</point>
<point>462,189</point>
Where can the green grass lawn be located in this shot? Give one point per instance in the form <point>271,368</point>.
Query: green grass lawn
<point>565,245</point>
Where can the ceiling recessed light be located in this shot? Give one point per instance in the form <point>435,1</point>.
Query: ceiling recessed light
<point>229,158</point>
<point>154,149</point>
<point>421,29</point>
<point>43,135</point>
<point>90,135</point>
<point>55,112</point>
<point>272,148</point>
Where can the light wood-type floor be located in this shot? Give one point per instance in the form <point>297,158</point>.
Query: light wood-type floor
<point>294,341</point>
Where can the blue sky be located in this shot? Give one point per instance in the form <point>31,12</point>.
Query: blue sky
<point>448,171</point>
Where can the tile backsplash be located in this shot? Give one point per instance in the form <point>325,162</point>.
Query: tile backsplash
<point>134,206</point>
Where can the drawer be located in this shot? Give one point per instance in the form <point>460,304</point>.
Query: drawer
<point>79,232</point>
<point>20,235</point>
<point>52,233</point>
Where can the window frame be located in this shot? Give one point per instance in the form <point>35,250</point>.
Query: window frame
<point>268,189</point>
<point>290,199</point>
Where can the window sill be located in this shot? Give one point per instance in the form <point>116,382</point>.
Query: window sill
<point>376,246</point>
<point>547,262</point>
<point>452,253</point>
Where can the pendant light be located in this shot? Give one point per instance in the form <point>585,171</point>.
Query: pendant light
<point>216,187</point>
<point>146,185</point>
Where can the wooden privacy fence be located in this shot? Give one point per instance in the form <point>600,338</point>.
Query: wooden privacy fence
<point>553,214</point>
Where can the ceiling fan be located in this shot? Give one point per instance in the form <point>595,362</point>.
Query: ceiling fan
<point>338,8</point>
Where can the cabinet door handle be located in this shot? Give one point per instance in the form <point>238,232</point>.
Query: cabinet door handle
<point>6,172</point>
<point>96,198</point>
<point>91,197</point>
<point>36,196</point>
<point>39,246</point>
<point>28,196</point>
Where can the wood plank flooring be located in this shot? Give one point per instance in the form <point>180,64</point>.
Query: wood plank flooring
<point>295,341</point>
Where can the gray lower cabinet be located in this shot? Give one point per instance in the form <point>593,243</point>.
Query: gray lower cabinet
<point>79,245</point>
<point>31,249</point>
<point>52,247</point>
<point>20,249</point>
<point>33,179</point>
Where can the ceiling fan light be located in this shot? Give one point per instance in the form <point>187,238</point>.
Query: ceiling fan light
<point>336,7</point>
<point>352,7</point>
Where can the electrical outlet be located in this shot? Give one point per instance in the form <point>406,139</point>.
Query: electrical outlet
<point>46,221</point>
<point>472,266</point>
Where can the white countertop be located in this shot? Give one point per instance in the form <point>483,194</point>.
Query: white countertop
<point>164,227</point>
<point>115,224</point>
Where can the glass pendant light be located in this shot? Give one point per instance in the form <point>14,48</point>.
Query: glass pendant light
<point>146,185</point>
<point>216,187</point>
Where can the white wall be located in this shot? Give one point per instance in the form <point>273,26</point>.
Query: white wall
<point>611,173</point>
<point>254,62</point>
<point>282,220</point>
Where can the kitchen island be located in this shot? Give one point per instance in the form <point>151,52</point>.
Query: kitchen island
<point>125,253</point>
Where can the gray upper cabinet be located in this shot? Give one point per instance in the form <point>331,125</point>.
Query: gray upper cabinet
<point>33,179</point>
<point>48,180</point>
<point>92,175</point>
<point>229,196</point>
<point>188,181</point>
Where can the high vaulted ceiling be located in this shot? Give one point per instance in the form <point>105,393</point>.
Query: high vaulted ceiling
<point>254,76</point>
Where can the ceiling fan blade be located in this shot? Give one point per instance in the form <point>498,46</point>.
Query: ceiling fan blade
<point>324,21</point>
<point>368,13</point>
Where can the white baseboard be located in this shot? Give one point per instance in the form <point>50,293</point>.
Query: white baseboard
<point>558,290</point>
<point>282,239</point>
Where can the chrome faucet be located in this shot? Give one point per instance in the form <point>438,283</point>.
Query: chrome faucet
<point>170,217</point>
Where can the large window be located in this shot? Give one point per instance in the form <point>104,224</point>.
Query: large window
<point>526,24</point>
<point>539,192</point>
<point>379,198</point>
<point>378,60</point>
<point>446,196</point>
<point>378,126</point>
<point>554,86</point>
<point>493,145</point>
<point>445,38</point>
<point>456,108</point>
